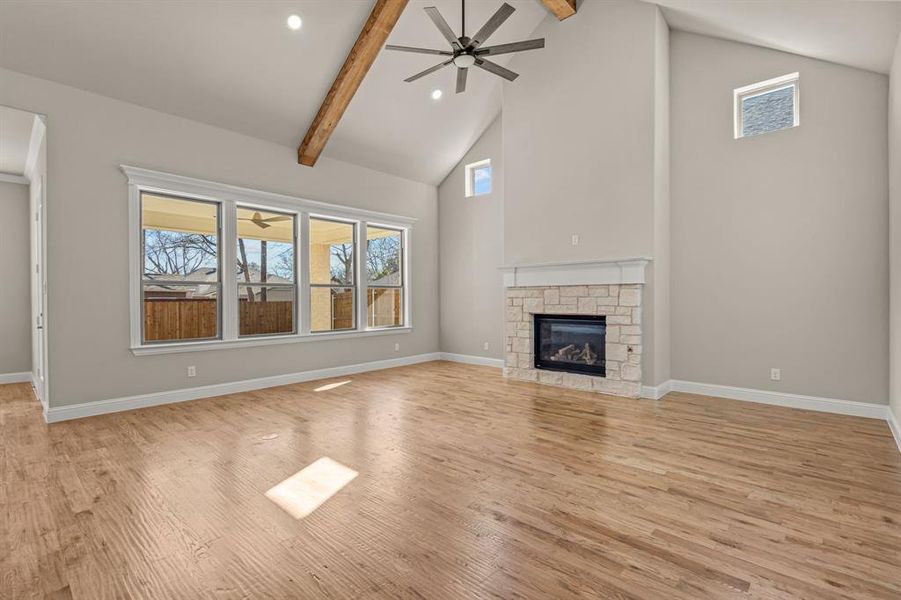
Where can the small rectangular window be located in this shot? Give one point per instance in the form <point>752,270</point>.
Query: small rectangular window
<point>767,106</point>
<point>267,280</point>
<point>181,282</point>
<point>332,267</point>
<point>384,276</point>
<point>478,178</point>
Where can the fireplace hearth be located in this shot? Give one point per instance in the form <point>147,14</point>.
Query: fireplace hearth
<point>571,343</point>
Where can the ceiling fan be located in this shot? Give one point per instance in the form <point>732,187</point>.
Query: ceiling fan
<point>258,220</point>
<point>468,52</point>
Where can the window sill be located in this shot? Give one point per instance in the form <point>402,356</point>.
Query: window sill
<point>180,347</point>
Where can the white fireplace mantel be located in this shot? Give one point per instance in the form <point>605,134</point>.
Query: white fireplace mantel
<point>587,272</point>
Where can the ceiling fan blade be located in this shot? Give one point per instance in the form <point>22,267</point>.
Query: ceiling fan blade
<point>495,68</point>
<point>442,26</point>
<point>428,71</point>
<point>417,50</point>
<point>279,218</point>
<point>512,47</point>
<point>461,79</point>
<point>496,20</point>
<point>262,224</point>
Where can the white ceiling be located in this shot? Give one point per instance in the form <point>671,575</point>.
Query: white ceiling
<point>857,33</point>
<point>15,138</point>
<point>237,66</point>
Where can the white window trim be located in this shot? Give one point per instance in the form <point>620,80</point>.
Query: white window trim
<point>739,95</point>
<point>229,197</point>
<point>469,172</point>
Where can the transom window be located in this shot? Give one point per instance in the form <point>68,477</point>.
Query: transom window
<point>478,178</point>
<point>767,106</point>
<point>278,289</point>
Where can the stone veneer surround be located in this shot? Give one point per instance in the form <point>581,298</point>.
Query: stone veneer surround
<point>621,303</point>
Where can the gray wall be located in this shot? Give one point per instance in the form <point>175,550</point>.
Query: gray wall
<point>586,151</point>
<point>656,328</point>
<point>780,241</point>
<point>89,136</point>
<point>471,251</point>
<point>895,230</point>
<point>579,138</point>
<point>15,287</point>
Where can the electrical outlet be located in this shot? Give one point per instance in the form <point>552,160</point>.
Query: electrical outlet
<point>397,347</point>
<point>192,371</point>
<point>485,346</point>
<point>575,239</point>
<point>776,374</point>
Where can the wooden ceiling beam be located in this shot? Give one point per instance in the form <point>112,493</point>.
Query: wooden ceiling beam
<point>561,8</point>
<point>372,38</point>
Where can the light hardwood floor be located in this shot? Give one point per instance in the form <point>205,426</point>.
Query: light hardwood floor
<point>469,486</point>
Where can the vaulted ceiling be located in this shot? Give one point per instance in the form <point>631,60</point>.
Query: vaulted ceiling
<point>857,33</point>
<point>237,66</point>
<point>15,140</point>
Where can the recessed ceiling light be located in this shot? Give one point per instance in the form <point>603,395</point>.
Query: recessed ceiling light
<point>294,22</point>
<point>436,94</point>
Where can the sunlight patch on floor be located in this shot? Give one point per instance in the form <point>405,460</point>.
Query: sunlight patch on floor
<point>331,386</point>
<point>306,490</point>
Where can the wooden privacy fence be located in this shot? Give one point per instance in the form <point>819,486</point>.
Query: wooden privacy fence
<point>179,318</point>
<point>193,318</point>
<point>190,318</point>
<point>383,308</point>
<point>260,318</point>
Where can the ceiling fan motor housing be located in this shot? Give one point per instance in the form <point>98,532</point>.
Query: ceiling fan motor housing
<point>464,60</point>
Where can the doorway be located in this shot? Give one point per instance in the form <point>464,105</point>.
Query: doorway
<point>23,303</point>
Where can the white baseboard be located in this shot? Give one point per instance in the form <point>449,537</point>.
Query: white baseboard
<point>100,407</point>
<point>830,405</point>
<point>473,360</point>
<point>895,427</point>
<point>656,393</point>
<point>15,377</point>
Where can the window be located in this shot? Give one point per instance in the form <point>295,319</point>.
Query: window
<point>384,277</point>
<point>478,178</point>
<point>767,106</point>
<point>266,274</point>
<point>218,266</point>
<point>332,275</point>
<point>181,281</point>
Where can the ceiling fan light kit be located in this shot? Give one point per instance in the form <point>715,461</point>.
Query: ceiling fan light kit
<point>467,52</point>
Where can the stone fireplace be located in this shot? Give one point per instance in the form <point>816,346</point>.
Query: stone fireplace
<point>576,325</point>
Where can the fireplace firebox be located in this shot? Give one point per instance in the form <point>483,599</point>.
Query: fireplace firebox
<point>573,343</point>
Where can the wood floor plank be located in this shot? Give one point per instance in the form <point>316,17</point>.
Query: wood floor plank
<point>467,486</point>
